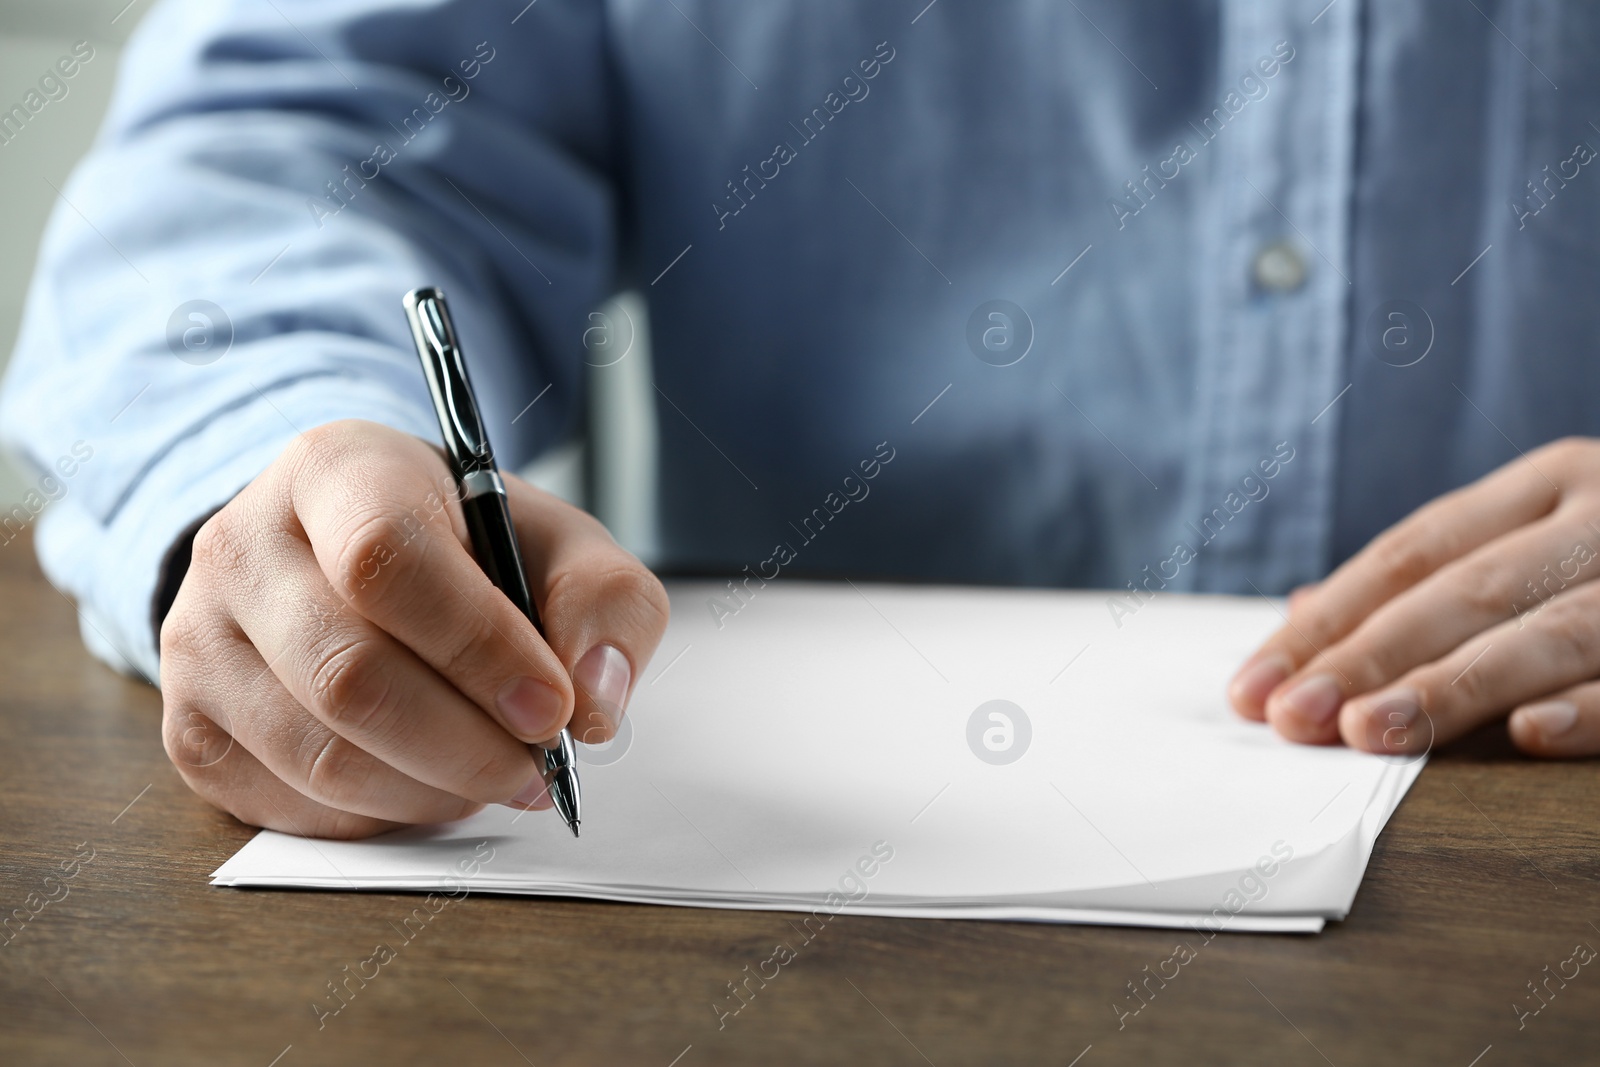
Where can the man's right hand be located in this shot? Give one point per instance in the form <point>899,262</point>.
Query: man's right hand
<point>335,663</point>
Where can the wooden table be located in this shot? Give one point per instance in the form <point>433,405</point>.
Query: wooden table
<point>1485,877</point>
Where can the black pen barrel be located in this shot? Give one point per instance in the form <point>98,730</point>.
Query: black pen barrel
<point>495,548</point>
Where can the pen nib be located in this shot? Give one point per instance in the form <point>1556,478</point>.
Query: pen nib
<point>560,764</point>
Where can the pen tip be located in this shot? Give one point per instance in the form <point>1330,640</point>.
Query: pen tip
<point>574,825</point>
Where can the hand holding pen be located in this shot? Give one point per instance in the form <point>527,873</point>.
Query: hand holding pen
<point>336,662</point>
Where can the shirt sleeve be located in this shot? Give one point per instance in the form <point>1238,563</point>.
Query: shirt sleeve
<point>224,270</point>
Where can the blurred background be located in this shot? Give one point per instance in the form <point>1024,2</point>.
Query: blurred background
<point>611,471</point>
<point>33,35</point>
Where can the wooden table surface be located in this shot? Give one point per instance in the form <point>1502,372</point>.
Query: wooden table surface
<point>1485,877</point>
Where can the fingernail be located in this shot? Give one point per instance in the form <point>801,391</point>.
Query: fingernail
<point>530,708</point>
<point>603,673</point>
<point>536,796</point>
<point>1398,709</point>
<point>1552,718</point>
<point>1315,700</point>
<point>1258,678</point>
<point>1391,722</point>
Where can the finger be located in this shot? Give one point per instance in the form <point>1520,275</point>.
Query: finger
<point>1431,619</point>
<point>352,676</point>
<point>1482,680</point>
<point>1441,531</point>
<point>1298,595</point>
<point>1560,726</point>
<point>394,548</point>
<point>227,776</point>
<point>220,771</point>
<point>312,758</point>
<point>228,692</point>
<point>603,611</point>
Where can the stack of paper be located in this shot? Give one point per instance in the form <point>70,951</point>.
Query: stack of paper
<point>919,751</point>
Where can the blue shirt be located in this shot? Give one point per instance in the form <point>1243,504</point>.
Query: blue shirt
<point>1189,296</point>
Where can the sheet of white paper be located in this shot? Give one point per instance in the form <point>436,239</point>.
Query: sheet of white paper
<point>814,746</point>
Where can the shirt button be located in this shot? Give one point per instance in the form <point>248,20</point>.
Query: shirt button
<point>1279,268</point>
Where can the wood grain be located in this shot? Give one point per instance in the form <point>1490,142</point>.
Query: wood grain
<point>1486,875</point>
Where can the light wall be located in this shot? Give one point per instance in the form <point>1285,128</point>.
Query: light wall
<point>33,35</point>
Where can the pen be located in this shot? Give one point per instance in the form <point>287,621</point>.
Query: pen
<point>483,500</point>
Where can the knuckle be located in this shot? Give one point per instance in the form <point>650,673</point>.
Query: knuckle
<point>1403,560</point>
<point>566,590</point>
<point>220,546</point>
<point>1483,590</point>
<point>626,591</point>
<point>193,739</point>
<point>184,748</point>
<point>184,635</point>
<point>196,636</point>
<point>1572,462</point>
<point>199,749</point>
<point>1566,453</point>
<point>350,684</point>
<point>640,593</point>
<point>1574,628</point>
<point>336,771</point>
<point>1303,613</point>
<point>313,450</point>
<point>1366,662</point>
<point>1308,633</point>
<point>1470,685</point>
<point>371,550</point>
<point>469,640</point>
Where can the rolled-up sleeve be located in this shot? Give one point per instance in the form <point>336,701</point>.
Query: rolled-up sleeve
<point>224,270</point>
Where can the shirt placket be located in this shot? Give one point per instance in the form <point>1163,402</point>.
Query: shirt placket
<point>1274,290</point>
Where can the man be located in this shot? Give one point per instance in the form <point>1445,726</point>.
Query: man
<point>1144,297</point>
